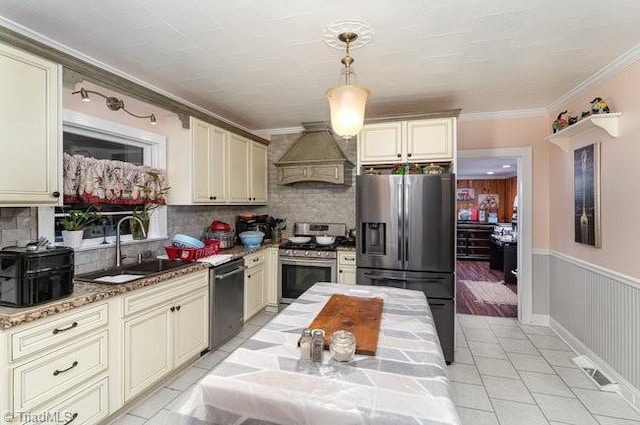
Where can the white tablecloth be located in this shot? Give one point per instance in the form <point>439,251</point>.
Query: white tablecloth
<point>264,382</point>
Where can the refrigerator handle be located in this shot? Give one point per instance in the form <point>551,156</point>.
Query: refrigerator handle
<point>400,232</point>
<point>406,215</point>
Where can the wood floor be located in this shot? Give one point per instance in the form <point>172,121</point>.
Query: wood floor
<point>479,271</point>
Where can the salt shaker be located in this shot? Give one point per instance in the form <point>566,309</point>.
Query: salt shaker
<point>305,345</point>
<point>317,345</point>
<point>342,345</point>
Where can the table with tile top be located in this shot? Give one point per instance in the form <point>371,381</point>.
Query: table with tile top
<point>263,381</point>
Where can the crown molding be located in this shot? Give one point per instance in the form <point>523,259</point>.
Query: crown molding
<point>95,71</point>
<point>266,133</point>
<point>516,113</point>
<point>619,64</point>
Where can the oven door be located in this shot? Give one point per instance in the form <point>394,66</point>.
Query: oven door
<point>296,275</point>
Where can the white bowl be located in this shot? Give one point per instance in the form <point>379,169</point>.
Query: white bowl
<point>300,239</point>
<point>325,240</point>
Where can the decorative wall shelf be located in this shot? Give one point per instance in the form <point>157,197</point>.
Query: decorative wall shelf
<point>607,122</point>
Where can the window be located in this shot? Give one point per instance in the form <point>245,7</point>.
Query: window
<point>97,138</point>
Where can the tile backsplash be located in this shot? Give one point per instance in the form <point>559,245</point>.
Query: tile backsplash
<point>318,202</point>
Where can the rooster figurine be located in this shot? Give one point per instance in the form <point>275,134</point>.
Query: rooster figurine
<point>599,106</point>
<point>560,122</point>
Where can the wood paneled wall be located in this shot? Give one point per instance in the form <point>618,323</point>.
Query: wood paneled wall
<point>505,189</point>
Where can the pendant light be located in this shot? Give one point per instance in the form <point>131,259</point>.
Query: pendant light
<point>347,102</point>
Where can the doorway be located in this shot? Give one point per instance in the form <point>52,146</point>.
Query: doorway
<point>493,271</point>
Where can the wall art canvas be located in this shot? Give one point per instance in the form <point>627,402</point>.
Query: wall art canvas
<point>465,195</point>
<point>586,194</point>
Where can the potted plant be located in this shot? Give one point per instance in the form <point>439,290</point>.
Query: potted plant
<point>155,193</point>
<point>74,223</point>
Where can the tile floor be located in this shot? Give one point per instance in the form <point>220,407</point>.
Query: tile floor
<point>504,374</point>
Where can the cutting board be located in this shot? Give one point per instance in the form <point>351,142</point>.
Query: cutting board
<point>359,315</point>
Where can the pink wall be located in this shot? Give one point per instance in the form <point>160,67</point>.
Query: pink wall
<point>620,176</point>
<point>517,132</point>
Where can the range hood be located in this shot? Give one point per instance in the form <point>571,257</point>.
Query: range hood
<point>315,157</point>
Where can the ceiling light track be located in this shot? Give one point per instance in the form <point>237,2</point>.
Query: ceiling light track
<point>113,103</point>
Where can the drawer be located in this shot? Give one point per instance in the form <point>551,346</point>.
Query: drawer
<point>63,329</point>
<point>145,299</point>
<point>87,405</point>
<point>41,380</point>
<point>256,259</point>
<point>346,258</point>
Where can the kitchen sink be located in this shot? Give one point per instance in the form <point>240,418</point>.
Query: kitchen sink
<point>143,269</point>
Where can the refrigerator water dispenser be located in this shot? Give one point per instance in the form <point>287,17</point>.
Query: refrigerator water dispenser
<point>373,238</point>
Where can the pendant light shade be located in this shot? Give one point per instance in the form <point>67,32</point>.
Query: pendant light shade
<point>347,104</point>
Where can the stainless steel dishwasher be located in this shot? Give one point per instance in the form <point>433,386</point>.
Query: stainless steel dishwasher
<point>226,302</point>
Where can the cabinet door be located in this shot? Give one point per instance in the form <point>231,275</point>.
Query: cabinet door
<point>238,169</point>
<point>254,279</point>
<point>258,173</point>
<point>430,140</point>
<point>191,326</point>
<point>148,349</point>
<point>209,174</point>
<point>271,280</point>
<point>381,143</point>
<point>347,274</point>
<point>30,135</point>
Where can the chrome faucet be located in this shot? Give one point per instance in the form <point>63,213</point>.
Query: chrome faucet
<point>118,248</point>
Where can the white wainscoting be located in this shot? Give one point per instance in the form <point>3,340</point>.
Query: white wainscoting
<point>597,312</point>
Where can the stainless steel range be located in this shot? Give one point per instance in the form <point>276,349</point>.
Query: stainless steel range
<point>301,265</point>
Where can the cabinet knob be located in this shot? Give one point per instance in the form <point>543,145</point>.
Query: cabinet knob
<point>409,155</point>
<point>340,271</point>
<point>56,194</point>
<point>178,308</point>
<point>249,198</point>
<point>248,276</point>
<point>399,155</point>
<point>212,197</point>
<point>253,199</point>
<point>172,309</point>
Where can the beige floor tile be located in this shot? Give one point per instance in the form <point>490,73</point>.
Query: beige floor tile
<point>606,420</point>
<point>471,396</point>
<point>186,378</point>
<point>507,389</point>
<point>487,349</point>
<point>463,355</point>
<point>128,420</point>
<point>563,409</point>
<point>530,363</point>
<point>509,332</point>
<point>575,378</point>
<point>496,367</point>
<point>514,413</point>
<point>558,358</point>
<point>549,341</point>
<point>478,334</point>
<point>155,402</point>
<point>160,418</point>
<point>511,345</point>
<point>537,330</point>
<point>460,372</point>
<point>606,404</point>
<point>476,417</point>
<point>545,384</point>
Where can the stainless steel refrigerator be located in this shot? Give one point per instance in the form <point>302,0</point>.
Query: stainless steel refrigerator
<point>406,239</point>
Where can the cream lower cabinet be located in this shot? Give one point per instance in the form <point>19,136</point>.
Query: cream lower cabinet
<point>347,267</point>
<point>30,135</point>
<point>255,277</point>
<point>407,141</point>
<point>164,326</point>
<point>57,371</point>
<point>271,283</point>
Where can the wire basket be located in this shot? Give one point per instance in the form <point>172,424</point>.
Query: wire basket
<point>211,247</point>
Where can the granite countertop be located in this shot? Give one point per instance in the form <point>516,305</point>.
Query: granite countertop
<point>86,293</point>
<point>346,249</point>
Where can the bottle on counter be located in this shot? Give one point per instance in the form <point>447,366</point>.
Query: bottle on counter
<point>317,345</point>
<point>305,345</point>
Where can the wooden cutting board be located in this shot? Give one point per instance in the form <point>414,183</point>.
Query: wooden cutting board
<point>359,315</point>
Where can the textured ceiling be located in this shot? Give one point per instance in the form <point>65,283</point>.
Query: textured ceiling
<point>264,64</point>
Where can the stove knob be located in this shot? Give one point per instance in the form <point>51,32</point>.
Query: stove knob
<point>306,253</point>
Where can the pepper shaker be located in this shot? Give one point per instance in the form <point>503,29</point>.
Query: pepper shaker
<point>317,345</point>
<point>305,345</point>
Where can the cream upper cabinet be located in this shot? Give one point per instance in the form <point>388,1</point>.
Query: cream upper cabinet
<point>258,176</point>
<point>430,140</point>
<point>381,143</point>
<point>216,167</point>
<point>209,165</point>
<point>407,141</point>
<point>30,135</point>
<point>238,162</point>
